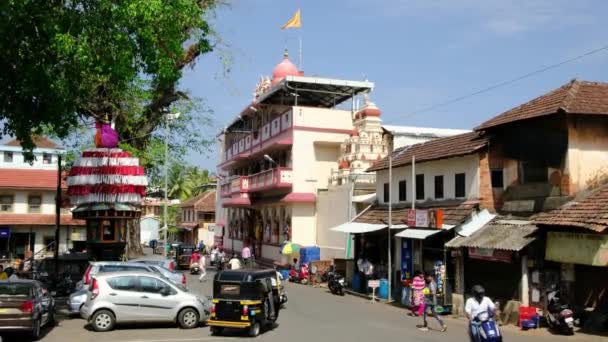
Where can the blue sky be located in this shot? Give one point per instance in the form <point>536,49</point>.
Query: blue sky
<point>417,52</point>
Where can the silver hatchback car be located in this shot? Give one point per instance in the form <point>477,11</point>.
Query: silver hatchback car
<point>141,297</point>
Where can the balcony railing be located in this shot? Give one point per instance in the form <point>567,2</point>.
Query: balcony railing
<point>266,180</point>
<point>270,179</point>
<point>253,140</point>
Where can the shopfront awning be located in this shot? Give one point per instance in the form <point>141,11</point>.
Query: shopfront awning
<point>498,234</point>
<point>368,198</point>
<point>421,234</point>
<point>357,227</point>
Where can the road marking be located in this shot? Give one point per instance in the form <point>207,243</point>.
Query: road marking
<point>179,339</point>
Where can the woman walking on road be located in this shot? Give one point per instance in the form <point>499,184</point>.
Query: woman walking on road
<point>418,286</point>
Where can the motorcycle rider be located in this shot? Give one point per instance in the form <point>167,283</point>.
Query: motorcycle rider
<point>474,306</point>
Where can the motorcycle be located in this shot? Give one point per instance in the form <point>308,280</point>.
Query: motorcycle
<point>195,268</point>
<point>487,329</point>
<point>65,285</point>
<point>560,317</point>
<point>335,282</point>
<point>299,277</point>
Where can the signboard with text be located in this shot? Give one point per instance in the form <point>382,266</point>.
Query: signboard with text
<point>490,254</point>
<point>406,258</point>
<point>373,283</point>
<point>423,218</point>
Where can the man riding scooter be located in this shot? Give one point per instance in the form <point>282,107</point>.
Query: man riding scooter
<point>475,307</point>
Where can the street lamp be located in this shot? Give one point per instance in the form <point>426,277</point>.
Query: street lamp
<point>168,118</point>
<point>269,159</point>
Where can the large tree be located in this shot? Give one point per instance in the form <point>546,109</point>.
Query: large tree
<point>66,63</point>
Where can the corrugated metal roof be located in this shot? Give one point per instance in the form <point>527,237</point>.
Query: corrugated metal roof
<point>498,236</point>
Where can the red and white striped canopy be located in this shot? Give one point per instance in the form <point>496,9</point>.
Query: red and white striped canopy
<point>106,175</point>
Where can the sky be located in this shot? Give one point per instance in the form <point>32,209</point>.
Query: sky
<point>418,53</point>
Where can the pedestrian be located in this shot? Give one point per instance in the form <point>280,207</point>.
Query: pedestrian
<point>418,285</point>
<point>246,255</point>
<point>430,303</point>
<point>11,274</point>
<point>3,274</point>
<point>203,267</point>
<point>234,263</point>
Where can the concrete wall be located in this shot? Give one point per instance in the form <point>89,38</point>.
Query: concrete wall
<point>469,165</point>
<point>314,154</point>
<point>326,118</point>
<point>20,198</point>
<point>332,211</point>
<point>303,224</point>
<point>149,229</point>
<point>587,156</point>
<point>19,162</point>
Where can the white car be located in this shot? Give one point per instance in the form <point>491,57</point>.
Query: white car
<point>115,298</point>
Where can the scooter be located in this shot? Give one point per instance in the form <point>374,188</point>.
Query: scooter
<point>335,282</point>
<point>195,268</point>
<point>299,277</point>
<point>560,317</point>
<point>487,329</point>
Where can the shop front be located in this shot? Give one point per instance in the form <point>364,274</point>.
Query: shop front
<point>497,256</point>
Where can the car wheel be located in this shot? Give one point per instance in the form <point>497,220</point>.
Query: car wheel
<point>254,330</point>
<point>103,320</point>
<point>216,330</point>
<point>36,330</point>
<point>188,318</point>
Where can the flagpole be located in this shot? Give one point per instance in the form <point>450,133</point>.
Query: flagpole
<point>300,62</point>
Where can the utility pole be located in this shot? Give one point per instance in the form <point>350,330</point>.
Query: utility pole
<point>165,209</point>
<point>390,223</point>
<point>57,213</point>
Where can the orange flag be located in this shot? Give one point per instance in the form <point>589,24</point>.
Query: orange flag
<point>294,22</point>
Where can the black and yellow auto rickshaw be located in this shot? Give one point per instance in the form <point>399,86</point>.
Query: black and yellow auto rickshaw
<point>245,299</point>
<point>183,252</point>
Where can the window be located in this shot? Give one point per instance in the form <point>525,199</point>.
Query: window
<point>47,158</point>
<point>459,190</point>
<point>497,178</point>
<point>150,285</point>
<point>8,157</point>
<point>34,203</point>
<point>419,187</point>
<point>6,203</point>
<point>402,191</point>
<point>386,199</point>
<point>49,243</point>
<point>438,186</point>
<point>125,283</point>
<point>534,172</point>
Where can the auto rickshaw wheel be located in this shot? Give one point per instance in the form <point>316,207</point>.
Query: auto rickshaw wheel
<point>254,330</point>
<point>216,330</point>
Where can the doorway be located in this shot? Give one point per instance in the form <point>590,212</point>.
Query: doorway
<point>21,244</point>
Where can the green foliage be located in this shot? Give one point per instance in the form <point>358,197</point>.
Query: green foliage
<point>65,60</point>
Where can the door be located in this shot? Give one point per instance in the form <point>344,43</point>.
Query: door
<point>154,305</point>
<point>124,295</point>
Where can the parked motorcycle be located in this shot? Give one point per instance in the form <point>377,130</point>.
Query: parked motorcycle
<point>301,276</point>
<point>64,285</point>
<point>335,282</point>
<point>560,317</point>
<point>195,268</point>
<point>487,329</point>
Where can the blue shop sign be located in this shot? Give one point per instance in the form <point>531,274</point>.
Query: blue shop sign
<point>406,258</point>
<point>5,232</point>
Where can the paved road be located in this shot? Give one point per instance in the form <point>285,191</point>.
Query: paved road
<point>312,315</point>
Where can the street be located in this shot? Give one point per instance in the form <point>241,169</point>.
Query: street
<point>312,314</point>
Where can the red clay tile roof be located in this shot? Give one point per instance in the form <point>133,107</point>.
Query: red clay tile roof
<point>29,179</point>
<point>590,213</point>
<point>575,97</point>
<point>454,212</point>
<point>442,148</point>
<point>204,202</point>
<point>41,142</point>
<point>38,220</point>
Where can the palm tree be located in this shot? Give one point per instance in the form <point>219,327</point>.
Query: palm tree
<point>179,184</point>
<point>199,180</point>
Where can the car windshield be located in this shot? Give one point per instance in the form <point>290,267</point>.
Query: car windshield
<point>18,290</point>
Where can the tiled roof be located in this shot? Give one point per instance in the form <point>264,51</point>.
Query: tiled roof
<point>454,212</point>
<point>575,97</point>
<point>29,179</point>
<point>41,142</point>
<point>590,213</point>
<point>203,202</point>
<point>448,147</point>
<point>38,220</point>
<point>498,234</point>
